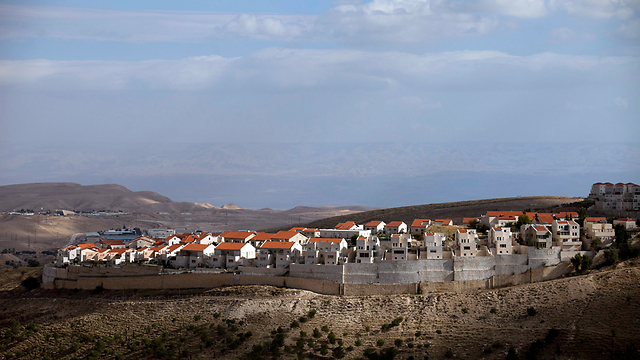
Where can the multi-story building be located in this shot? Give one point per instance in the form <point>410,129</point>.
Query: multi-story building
<point>368,249</point>
<point>395,227</point>
<point>538,236</point>
<point>433,245</point>
<point>279,254</point>
<point>230,255</point>
<point>325,251</point>
<point>419,226</point>
<point>501,239</point>
<point>598,228</point>
<point>566,234</point>
<point>499,218</point>
<point>375,226</point>
<point>618,196</point>
<point>467,241</point>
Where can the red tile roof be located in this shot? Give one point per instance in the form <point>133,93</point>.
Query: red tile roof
<point>284,235</point>
<point>277,245</point>
<point>335,241</point>
<point>194,247</point>
<point>345,225</point>
<point>173,248</point>
<point>595,219</point>
<point>297,229</point>
<point>240,235</point>
<point>468,220</point>
<point>420,223</point>
<point>231,246</point>
<point>374,223</point>
<point>262,236</point>
<point>394,224</point>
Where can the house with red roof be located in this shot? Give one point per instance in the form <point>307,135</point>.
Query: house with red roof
<point>499,218</point>
<point>120,256</point>
<point>279,254</point>
<point>443,222</point>
<point>419,226</point>
<point>566,234</point>
<point>598,229</point>
<point>326,251</point>
<point>500,241</point>
<point>433,246</point>
<point>194,255</point>
<point>398,247</point>
<point>74,253</point>
<point>626,222</point>
<point>141,241</point>
<point>395,227</point>
<point>260,238</point>
<point>290,236</point>
<point>348,225</point>
<point>467,241</point>
<point>112,244</point>
<point>310,232</point>
<point>230,255</point>
<point>538,236</point>
<point>541,218</point>
<point>375,226</point>
<point>236,236</point>
<point>619,196</point>
<point>368,249</point>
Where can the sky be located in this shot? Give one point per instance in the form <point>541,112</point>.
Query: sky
<point>285,103</point>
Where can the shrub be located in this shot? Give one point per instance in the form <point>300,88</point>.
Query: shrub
<point>380,342</point>
<point>295,324</point>
<point>398,342</point>
<point>216,315</point>
<point>611,256</point>
<point>488,350</point>
<point>493,310</point>
<point>332,338</point>
<point>438,332</point>
<point>325,328</point>
<point>30,283</point>
<point>497,345</point>
<point>465,310</point>
<point>312,313</point>
<point>397,321</point>
<point>367,328</point>
<point>551,335</point>
<point>197,317</point>
<point>531,311</point>
<point>303,319</point>
<point>358,342</point>
<point>316,333</point>
<point>449,353</point>
<point>418,333</point>
<point>410,345</point>
<point>303,334</point>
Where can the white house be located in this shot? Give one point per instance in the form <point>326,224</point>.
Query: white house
<point>395,227</point>
<point>538,236</point>
<point>627,223</point>
<point>236,236</point>
<point>419,226</point>
<point>566,234</point>
<point>290,236</point>
<point>368,249</point>
<point>598,228</point>
<point>279,254</point>
<point>329,251</point>
<point>467,241</point>
<point>443,222</point>
<point>230,255</point>
<point>348,225</point>
<point>501,239</point>
<point>141,241</point>
<point>375,226</point>
<point>499,218</point>
<point>400,246</point>
<point>193,255</point>
<point>434,243</point>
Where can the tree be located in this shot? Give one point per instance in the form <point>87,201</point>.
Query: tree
<point>638,222</point>
<point>522,220</point>
<point>582,214</point>
<point>576,261</point>
<point>596,243</point>
<point>611,256</point>
<point>621,234</point>
<point>586,263</point>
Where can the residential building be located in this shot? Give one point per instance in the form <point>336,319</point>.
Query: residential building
<point>598,228</point>
<point>433,245</point>
<point>112,244</point>
<point>349,225</point>
<point>290,236</point>
<point>399,248</point>
<point>141,241</point>
<point>618,196</point>
<point>627,223</point>
<point>566,234</point>
<point>419,226</point>
<point>395,227</point>
<point>279,254</point>
<point>194,255</point>
<point>160,233</point>
<point>368,249</point>
<point>329,251</point>
<point>236,236</point>
<point>467,241</point>
<point>375,226</point>
<point>443,222</point>
<point>230,255</point>
<point>540,218</point>
<point>310,233</point>
<point>340,234</point>
<point>501,239</point>
<point>499,218</point>
<point>260,238</point>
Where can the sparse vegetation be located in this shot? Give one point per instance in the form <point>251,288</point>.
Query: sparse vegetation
<point>531,311</point>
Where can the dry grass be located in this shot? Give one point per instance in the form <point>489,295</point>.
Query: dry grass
<point>584,309</point>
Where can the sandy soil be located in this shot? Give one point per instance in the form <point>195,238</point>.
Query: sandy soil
<point>597,315</point>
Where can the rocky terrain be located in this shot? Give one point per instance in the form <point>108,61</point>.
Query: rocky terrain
<point>595,316</point>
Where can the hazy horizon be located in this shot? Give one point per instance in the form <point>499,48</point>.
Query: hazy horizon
<point>278,104</point>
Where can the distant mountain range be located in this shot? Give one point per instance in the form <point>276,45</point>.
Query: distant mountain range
<point>112,197</point>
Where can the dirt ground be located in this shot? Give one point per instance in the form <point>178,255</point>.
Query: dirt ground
<point>597,317</point>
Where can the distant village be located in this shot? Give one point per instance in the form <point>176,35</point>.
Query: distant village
<point>495,233</point>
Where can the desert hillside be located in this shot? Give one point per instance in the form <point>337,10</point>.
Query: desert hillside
<point>71,196</point>
<point>594,316</point>
<point>455,211</point>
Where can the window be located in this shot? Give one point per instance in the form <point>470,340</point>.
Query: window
<point>503,246</point>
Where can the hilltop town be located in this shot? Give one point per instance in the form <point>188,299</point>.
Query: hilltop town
<point>496,243</point>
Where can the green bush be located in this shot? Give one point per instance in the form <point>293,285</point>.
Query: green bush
<point>358,342</point>
<point>325,328</point>
<point>397,321</point>
<point>531,311</point>
<point>493,310</point>
<point>30,283</point>
<point>438,332</point>
<point>449,353</point>
<point>398,342</point>
<point>551,335</point>
<point>380,342</point>
<point>312,313</point>
<point>465,310</point>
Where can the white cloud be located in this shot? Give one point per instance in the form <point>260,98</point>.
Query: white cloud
<point>516,8</point>
<point>277,68</point>
<point>630,30</point>
<point>604,9</point>
<point>621,103</point>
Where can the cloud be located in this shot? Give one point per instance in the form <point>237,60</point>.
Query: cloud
<point>516,8</point>
<point>602,9</point>
<point>621,103</point>
<point>278,68</point>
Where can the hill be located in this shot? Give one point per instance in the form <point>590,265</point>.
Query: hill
<point>71,196</point>
<point>583,317</point>
<point>453,210</point>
